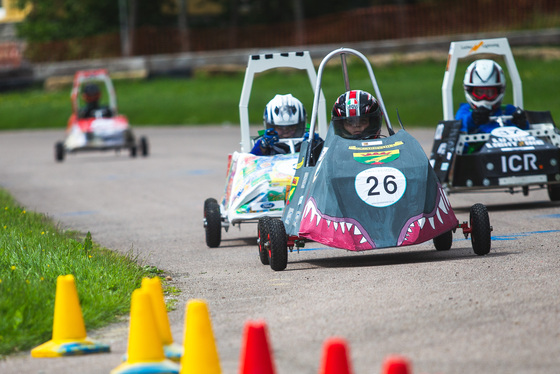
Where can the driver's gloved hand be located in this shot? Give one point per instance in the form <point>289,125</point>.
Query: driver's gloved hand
<point>481,116</point>
<point>306,136</point>
<point>519,118</point>
<point>269,138</point>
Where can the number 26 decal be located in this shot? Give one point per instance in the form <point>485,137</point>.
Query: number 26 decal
<point>380,187</point>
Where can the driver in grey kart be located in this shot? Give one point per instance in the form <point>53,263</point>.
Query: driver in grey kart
<point>284,118</point>
<point>356,115</point>
<point>485,86</point>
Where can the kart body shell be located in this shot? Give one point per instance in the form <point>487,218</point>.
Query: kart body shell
<point>256,185</point>
<point>106,130</point>
<point>508,158</point>
<point>368,194</point>
<point>363,194</point>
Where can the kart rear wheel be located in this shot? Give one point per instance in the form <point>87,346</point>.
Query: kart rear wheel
<point>210,200</point>
<point>481,229</point>
<point>278,245</point>
<point>212,223</point>
<point>262,230</point>
<point>59,152</point>
<point>553,192</point>
<point>133,150</point>
<point>443,242</point>
<point>144,149</point>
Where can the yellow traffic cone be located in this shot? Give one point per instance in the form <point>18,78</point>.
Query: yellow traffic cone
<point>69,331</point>
<point>145,350</point>
<point>172,351</point>
<point>200,355</point>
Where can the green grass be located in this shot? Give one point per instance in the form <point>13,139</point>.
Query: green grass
<point>412,88</point>
<point>33,253</point>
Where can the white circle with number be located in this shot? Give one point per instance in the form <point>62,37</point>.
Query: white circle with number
<point>380,187</point>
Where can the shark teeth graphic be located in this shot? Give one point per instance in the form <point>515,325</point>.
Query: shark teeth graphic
<point>441,219</point>
<point>344,233</point>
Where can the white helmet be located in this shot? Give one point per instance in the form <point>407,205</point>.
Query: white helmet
<point>485,84</point>
<point>285,110</point>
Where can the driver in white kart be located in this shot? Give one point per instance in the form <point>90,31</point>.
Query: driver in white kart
<point>284,118</point>
<point>356,115</point>
<point>91,95</point>
<point>485,86</point>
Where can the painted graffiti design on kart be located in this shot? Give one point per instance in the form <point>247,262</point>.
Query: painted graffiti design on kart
<point>258,184</point>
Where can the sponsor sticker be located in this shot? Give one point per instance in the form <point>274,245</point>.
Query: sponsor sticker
<point>395,144</point>
<point>377,157</point>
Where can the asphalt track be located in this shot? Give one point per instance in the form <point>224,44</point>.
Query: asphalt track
<point>448,312</point>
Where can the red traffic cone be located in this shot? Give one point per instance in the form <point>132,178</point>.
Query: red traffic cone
<point>335,357</point>
<point>256,357</point>
<point>396,365</point>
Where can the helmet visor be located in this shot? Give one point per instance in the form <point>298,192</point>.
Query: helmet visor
<point>358,127</point>
<point>485,93</point>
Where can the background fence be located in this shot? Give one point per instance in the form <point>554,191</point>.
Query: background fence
<point>366,24</point>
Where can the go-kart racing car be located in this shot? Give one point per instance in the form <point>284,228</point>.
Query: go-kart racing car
<point>256,185</point>
<point>508,158</point>
<point>365,194</point>
<point>105,129</point>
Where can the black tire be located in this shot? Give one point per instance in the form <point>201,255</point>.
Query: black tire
<point>133,150</point>
<point>444,241</point>
<point>262,231</point>
<point>144,148</point>
<point>59,152</point>
<point>278,246</point>
<point>210,200</point>
<point>481,229</point>
<point>553,192</point>
<point>213,225</point>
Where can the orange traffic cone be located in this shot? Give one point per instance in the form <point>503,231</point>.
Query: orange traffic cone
<point>335,357</point>
<point>200,354</point>
<point>256,357</point>
<point>145,350</point>
<point>69,331</point>
<point>172,351</point>
<point>396,365</point>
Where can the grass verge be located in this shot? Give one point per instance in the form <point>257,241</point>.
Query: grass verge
<point>412,88</point>
<point>33,253</point>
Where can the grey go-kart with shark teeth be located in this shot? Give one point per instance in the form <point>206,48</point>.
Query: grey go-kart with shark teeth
<point>365,194</point>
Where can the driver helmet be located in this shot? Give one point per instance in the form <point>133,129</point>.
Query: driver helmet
<point>91,93</point>
<point>286,115</point>
<point>356,115</point>
<point>484,84</point>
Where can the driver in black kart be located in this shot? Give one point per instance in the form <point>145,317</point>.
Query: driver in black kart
<point>356,115</point>
<point>485,86</point>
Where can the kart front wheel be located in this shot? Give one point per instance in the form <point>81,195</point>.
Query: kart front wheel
<point>480,229</point>
<point>263,243</point>
<point>553,192</point>
<point>212,223</point>
<point>133,150</point>
<point>443,242</point>
<point>278,245</point>
<point>144,149</point>
<point>59,152</point>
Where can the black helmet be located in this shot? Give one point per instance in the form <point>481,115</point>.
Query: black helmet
<point>91,93</point>
<point>356,115</point>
